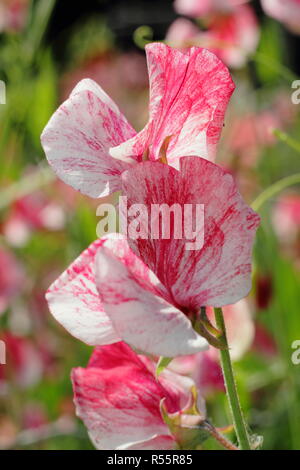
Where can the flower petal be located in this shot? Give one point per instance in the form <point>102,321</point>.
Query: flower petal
<point>189,93</point>
<point>119,400</point>
<point>288,12</point>
<point>138,309</point>
<point>77,139</point>
<point>74,301</point>
<point>217,274</point>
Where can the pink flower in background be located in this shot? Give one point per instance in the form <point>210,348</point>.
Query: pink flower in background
<point>264,342</point>
<point>31,213</point>
<point>150,302</point>
<point>286,11</point>
<point>248,134</point>
<point>286,217</point>
<point>183,33</point>
<point>11,278</point>
<point>13,14</point>
<point>189,93</point>
<point>199,8</point>
<point>23,367</point>
<point>118,397</point>
<point>232,36</point>
<point>263,291</point>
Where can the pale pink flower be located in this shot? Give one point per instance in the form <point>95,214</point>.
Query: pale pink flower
<point>233,37</point>
<point>286,11</point>
<point>31,213</point>
<point>189,93</point>
<point>182,33</point>
<point>199,8</point>
<point>286,217</point>
<point>13,14</point>
<point>119,398</point>
<point>250,133</point>
<point>151,299</point>
<point>23,363</point>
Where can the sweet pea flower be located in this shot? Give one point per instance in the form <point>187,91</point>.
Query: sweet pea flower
<point>89,143</point>
<point>286,11</point>
<point>150,295</point>
<point>119,398</point>
<point>232,36</point>
<point>199,8</point>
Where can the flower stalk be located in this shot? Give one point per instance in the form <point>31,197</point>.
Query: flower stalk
<point>231,390</point>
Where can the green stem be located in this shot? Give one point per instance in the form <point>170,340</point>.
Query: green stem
<point>275,189</point>
<point>234,403</point>
<point>286,139</point>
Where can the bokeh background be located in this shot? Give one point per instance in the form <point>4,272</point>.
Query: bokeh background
<point>46,47</point>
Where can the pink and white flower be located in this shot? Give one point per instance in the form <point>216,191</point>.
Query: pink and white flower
<point>89,143</point>
<point>24,365</point>
<point>233,36</point>
<point>199,8</point>
<point>286,11</point>
<point>150,296</point>
<point>31,213</point>
<point>119,398</point>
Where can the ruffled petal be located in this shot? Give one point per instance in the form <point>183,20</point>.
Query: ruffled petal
<point>217,272</point>
<point>78,136</point>
<point>119,401</point>
<point>189,93</point>
<point>136,305</point>
<point>74,301</point>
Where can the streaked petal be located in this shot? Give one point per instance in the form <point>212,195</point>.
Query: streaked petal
<point>189,93</point>
<point>140,314</point>
<point>74,301</point>
<point>119,400</point>
<point>217,274</point>
<point>77,139</point>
